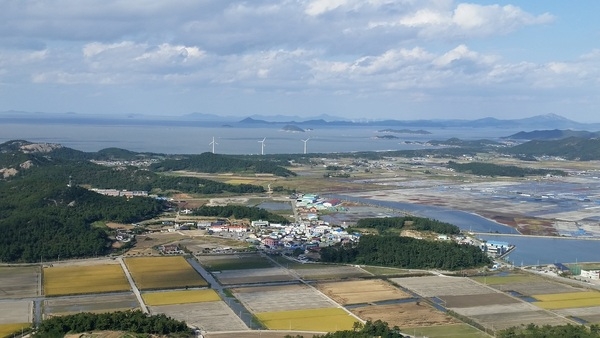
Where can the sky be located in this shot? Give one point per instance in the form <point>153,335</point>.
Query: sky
<point>358,59</point>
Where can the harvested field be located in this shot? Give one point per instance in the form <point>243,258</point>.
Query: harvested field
<point>568,300</point>
<point>151,273</point>
<point>432,286</point>
<point>19,282</point>
<point>231,277</point>
<point>361,291</point>
<point>404,315</point>
<point>321,272</point>
<point>261,334</point>
<point>81,279</point>
<point>234,262</point>
<point>500,321</point>
<point>328,319</point>
<point>180,297</point>
<point>495,309</point>
<point>508,279</point>
<point>589,314</point>
<point>281,298</point>
<point>14,311</point>
<point>528,285</point>
<point>91,303</point>
<point>7,329</point>
<point>210,316</point>
<point>384,271</point>
<point>495,298</point>
<point>446,331</point>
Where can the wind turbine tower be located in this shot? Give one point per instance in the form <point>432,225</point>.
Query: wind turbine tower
<point>305,143</point>
<point>262,146</point>
<point>213,143</point>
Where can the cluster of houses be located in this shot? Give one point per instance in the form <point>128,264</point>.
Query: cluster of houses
<point>126,193</point>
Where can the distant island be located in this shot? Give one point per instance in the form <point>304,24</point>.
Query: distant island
<point>385,137</point>
<point>292,128</point>
<point>404,131</point>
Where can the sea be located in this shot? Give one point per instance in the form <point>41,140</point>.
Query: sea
<point>245,140</point>
<point>232,140</point>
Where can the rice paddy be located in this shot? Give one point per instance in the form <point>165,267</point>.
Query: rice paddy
<point>325,320</point>
<point>72,280</point>
<point>7,329</point>
<point>152,273</point>
<point>180,297</point>
<point>568,300</point>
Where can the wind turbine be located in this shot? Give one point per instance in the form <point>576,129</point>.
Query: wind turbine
<point>213,143</point>
<point>262,146</point>
<point>305,143</point>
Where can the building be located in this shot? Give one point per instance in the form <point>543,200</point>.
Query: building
<point>590,274</point>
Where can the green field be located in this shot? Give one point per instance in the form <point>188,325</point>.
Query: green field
<point>324,320</point>
<point>445,331</point>
<point>496,280</point>
<point>7,329</point>
<point>238,263</point>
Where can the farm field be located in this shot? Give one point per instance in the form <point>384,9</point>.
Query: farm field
<point>361,291</point>
<point>210,316</point>
<point>589,314</point>
<point>16,311</point>
<point>234,262</point>
<point>384,271</point>
<point>261,334</point>
<point>180,297</point>
<point>525,284</point>
<point>281,298</point>
<point>500,321</point>
<point>404,314</point>
<point>326,319</point>
<point>81,279</point>
<point>446,331</point>
<point>568,300</point>
<point>433,286</point>
<point>230,277</point>
<point>19,282</point>
<point>487,299</point>
<point>323,272</point>
<point>92,303</point>
<point>7,329</point>
<point>152,273</point>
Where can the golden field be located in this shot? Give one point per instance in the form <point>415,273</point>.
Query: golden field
<point>7,329</point>
<point>151,273</point>
<point>71,280</point>
<point>324,320</point>
<point>567,300</point>
<point>180,297</point>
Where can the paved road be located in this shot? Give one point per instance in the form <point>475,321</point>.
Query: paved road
<point>134,288</point>
<point>232,302</point>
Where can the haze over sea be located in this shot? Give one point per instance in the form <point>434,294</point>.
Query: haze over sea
<point>231,140</point>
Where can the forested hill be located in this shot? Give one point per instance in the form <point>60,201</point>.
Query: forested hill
<point>43,219</point>
<point>571,148</point>
<point>50,162</point>
<point>408,253</point>
<point>216,163</point>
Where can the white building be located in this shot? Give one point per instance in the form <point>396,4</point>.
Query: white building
<point>590,274</point>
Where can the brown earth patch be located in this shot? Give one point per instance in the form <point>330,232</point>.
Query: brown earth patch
<point>361,291</point>
<point>404,315</point>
